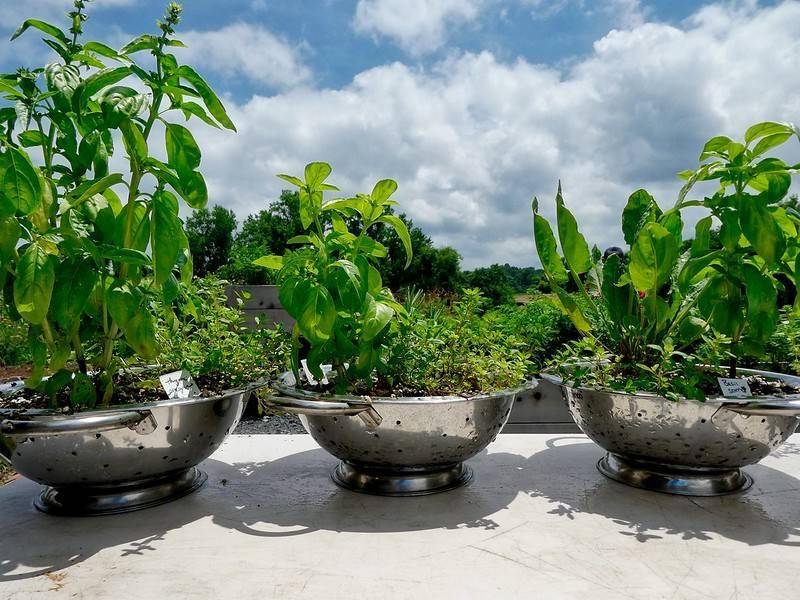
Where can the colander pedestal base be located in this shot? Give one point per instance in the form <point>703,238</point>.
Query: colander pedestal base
<point>107,500</point>
<point>673,480</point>
<point>400,482</point>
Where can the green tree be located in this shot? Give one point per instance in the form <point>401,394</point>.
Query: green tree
<point>272,228</point>
<point>210,234</point>
<point>493,282</point>
<point>431,269</point>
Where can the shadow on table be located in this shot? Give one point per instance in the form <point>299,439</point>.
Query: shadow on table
<point>294,495</point>
<point>766,514</point>
<point>290,496</point>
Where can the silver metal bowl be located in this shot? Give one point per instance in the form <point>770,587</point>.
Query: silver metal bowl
<point>121,459</point>
<point>399,446</point>
<point>683,447</point>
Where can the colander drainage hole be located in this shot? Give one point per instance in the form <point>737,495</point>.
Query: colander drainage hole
<point>397,422</point>
<point>97,436</point>
<point>141,447</point>
<point>74,453</point>
<point>167,428</point>
<point>444,435</point>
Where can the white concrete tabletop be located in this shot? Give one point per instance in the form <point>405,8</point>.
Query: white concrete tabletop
<point>538,522</point>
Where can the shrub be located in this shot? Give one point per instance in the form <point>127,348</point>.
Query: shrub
<point>207,337</point>
<point>13,342</point>
<point>539,325</point>
<point>439,351</point>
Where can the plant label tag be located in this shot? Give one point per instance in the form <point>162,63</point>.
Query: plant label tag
<point>179,384</point>
<point>734,388</point>
<point>311,379</point>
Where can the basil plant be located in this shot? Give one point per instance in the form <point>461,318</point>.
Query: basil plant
<point>758,253</point>
<point>80,264</point>
<point>330,284</point>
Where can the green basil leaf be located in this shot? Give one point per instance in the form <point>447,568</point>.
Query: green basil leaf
<point>702,237</point>
<point>318,315</point>
<point>376,317</point>
<point>762,303</point>
<point>640,209</point>
<point>760,130</point>
<point>20,189</point>
<point>316,173</point>
<point>210,99</point>
<point>47,28</point>
<point>652,258</point>
<point>97,186</point>
<point>167,237</point>
<point>182,151</point>
<point>75,280</point>
<point>722,305</point>
<point>383,190</point>
<point>33,284</point>
<point>402,232</point>
<point>761,229</point>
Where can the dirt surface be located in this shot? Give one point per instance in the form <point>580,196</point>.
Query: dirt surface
<point>270,424</point>
<point>7,474</point>
<point>14,372</point>
<point>129,389</point>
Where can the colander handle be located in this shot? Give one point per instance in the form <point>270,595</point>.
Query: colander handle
<point>776,408</point>
<point>141,421</point>
<point>303,406</point>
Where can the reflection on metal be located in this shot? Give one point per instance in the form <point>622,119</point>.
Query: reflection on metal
<point>419,446</point>
<point>118,460</point>
<point>685,447</point>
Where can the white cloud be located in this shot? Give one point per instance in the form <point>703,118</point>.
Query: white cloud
<point>471,139</point>
<point>249,51</point>
<point>418,26</point>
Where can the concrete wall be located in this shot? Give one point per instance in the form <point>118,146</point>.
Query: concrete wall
<point>263,302</point>
<point>540,410</point>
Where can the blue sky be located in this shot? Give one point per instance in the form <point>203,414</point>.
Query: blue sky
<point>556,33</point>
<point>472,105</point>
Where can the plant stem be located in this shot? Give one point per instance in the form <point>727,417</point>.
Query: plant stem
<point>79,356</point>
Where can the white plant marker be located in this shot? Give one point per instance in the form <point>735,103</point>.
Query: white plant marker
<point>179,384</point>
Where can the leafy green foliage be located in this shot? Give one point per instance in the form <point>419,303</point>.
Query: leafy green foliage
<point>83,267</point>
<point>208,338</point>
<point>330,284</point>
<point>438,351</point>
<point>634,316</point>
<point>539,325</point>
<point>759,234</point>
<point>493,282</point>
<point>14,349</point>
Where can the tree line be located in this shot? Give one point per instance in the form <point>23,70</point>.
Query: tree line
<point>219,246</point>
